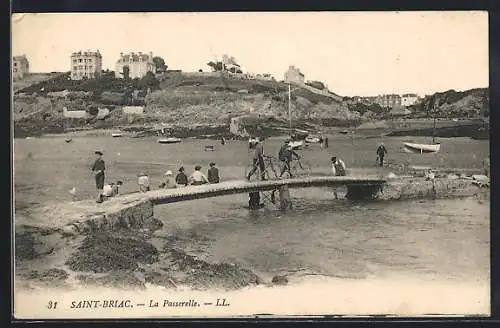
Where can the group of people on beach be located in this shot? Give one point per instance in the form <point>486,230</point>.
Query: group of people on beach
<point>168,181</point>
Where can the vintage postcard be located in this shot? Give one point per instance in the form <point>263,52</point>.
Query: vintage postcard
<point>240,164</point>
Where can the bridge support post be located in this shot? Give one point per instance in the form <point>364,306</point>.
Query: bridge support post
<point>254,200</point>
<point>362,192</point>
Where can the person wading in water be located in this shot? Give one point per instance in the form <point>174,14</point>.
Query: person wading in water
<point>98,169</point>
<point>381,151</point>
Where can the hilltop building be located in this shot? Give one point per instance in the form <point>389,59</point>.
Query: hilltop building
<point>135,65</point>
<point>293,75</point>
<point>409,99</point>
<point>20,67</point>
<point>86,65</point>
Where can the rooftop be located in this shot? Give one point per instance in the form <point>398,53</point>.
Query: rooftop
<point>134,57</point>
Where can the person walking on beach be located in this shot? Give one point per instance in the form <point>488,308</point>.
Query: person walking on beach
<point>325,142</point>
<point>213,174</point>
<point>181,178</point>
<point>143,181</point>
<point>338,167</point>
<point>381,151</point>
<point>198,178</point>
<point>258,160</point>
<point>98,169</point>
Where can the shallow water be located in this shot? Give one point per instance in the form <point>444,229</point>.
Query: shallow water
<point>445,239</point>
<point>439,240</point>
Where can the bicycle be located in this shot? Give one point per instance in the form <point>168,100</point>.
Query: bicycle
<point>270,169</point>
<point>299,167</point>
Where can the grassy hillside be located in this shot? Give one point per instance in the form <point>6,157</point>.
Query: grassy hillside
<point>190,99</point>
<point>33,79</point>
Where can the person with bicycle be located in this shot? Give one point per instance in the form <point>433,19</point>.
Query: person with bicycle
<point>286,155</point>
<point>258,160</point>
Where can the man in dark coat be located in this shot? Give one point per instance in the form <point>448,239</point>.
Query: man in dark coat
<point>381,152</point>
<point>213,174</point>
<point>98,169</point>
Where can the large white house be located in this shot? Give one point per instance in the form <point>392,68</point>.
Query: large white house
<point>136,65</point>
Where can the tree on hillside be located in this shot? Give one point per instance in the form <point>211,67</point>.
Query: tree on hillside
<point>159,64</point>
<point>126,72</point>
<point>149,81</point>
<point>216,66</point>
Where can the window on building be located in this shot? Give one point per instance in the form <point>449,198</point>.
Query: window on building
<point>75,68</point>
<point>75,61</point>
<point>80,67</point>
<point>80,60</point>
<point>15,64</point>
<point>15,70</point>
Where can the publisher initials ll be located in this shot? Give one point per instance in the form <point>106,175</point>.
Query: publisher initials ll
<point>221,302</point>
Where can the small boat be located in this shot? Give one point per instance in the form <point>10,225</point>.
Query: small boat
<point>68,140</point>
<point>116,135</point>
<point>296,144</point>
<point>209,148</point>
<point>415,148</point>
<point>169,140</point>
<point>313,139</point>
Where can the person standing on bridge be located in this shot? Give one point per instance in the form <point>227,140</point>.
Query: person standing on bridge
<point>381,151</point>
<point>213,174</point>
<point>98,169</point>
<point>338,167</point>
<point>285,155</point>
<point>258,160</point>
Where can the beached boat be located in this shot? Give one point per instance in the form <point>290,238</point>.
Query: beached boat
<point>296,144</point>
<point>313,139</point>
<point>68,140</point>
<point>416,148</point>
<point>169,140</point>
<point>116,135</point>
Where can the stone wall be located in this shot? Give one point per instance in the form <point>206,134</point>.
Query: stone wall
<point>132,216</point>
<point>421,188</point>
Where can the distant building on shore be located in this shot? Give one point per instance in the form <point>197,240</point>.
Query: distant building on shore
<point>294,75</point>
<point>20,67</point>
<point>391,100</point>
<point>134,65</point>
<point>409,99</point>
<point>86,65</point>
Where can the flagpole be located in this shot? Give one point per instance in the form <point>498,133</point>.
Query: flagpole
<point>289,108</point>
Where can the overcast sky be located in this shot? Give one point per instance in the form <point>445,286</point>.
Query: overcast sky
<point>355,53</point>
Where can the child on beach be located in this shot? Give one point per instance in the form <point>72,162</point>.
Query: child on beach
<point>143,181</point>
<point>181,178</point>
<point>168,180</point>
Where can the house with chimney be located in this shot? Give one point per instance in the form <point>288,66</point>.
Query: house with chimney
<point>134,65</point>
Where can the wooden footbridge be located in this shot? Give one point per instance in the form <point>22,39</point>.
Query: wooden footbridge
<point>141,204</point>
<point>165,196</point>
